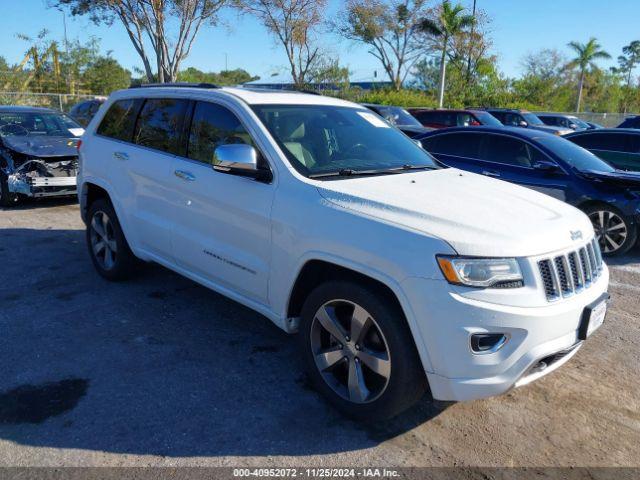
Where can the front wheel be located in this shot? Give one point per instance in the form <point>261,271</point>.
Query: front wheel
<point>615,233</point>
<point>359,351</point>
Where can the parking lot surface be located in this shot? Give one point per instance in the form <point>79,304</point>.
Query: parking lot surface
<point>161,371</point>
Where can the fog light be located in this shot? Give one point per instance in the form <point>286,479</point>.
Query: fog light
<point>487,342</point>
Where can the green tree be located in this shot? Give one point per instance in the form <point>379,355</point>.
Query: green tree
<point>105,75</point>
<point>295,25</point>
<point>225,77</point>
<point>329,72</point>
<point>586,55</point>
<point>170,27</point>
<point>389,28</point>
<point>449,21</point>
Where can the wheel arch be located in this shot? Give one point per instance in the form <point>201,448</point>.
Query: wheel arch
<point>317,271</point>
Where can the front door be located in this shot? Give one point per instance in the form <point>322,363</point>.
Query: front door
<point>222,224</point>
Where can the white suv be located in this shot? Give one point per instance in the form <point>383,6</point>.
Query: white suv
<point>399,276</point>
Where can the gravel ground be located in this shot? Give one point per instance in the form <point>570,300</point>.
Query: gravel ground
<point>161,371</point>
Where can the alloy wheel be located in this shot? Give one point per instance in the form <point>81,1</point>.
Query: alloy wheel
<point>611,230</point>
<point>103,240</point>
<point>350,351</point>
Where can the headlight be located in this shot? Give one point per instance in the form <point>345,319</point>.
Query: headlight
<point>482,272</point>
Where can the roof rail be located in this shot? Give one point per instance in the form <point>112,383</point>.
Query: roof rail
<point>176,84</point>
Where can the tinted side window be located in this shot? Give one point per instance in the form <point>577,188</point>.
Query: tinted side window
<point>603,141</point>
<point>512,119</point>
<point>499,115</point>
<point>160,124</point>
<point>120,120</point>
<point>463,120</point>
<point>455,144</point>
<point>508,151</point>
<point>425,117</point>
<point>214,125</point>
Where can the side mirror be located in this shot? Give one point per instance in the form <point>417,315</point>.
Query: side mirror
<point>546,166</point>
<point>523,124</point>
<point>573,126</point>
<point>238,159</point>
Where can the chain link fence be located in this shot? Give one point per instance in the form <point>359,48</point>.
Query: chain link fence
<point>608,120</point>
<point>57,101</point>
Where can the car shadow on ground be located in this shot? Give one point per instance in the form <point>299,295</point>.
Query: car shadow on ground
<point>33,203</point>
<point>157,365</point>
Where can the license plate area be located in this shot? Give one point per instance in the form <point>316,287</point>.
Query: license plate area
<point>593,317</point>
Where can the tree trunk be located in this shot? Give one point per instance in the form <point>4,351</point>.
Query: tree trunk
<point>580,87</point>
<point>443,73</point>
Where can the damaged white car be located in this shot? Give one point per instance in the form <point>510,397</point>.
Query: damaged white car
<point>38,153</point>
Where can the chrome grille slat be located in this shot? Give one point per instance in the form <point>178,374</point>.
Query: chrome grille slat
<point>570,273</point>
<point>592,259</point>
<point>584,261</point>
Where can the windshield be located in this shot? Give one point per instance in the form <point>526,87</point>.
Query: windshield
<point>319,139</point>
<point>578,122</point>
<point>48,124</point>
<point>531,119</point>
<point>398,116</point>
<point>487,119</point>
<point>577,157</point>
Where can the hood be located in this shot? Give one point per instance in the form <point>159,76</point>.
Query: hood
<point>43,147</point>
<point>476,215</point>
<point>619,178</point>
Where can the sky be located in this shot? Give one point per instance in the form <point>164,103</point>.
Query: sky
<point>518,27</point>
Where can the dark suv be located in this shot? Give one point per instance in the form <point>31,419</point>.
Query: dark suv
<point>453,118</point>
<point>524,119</point>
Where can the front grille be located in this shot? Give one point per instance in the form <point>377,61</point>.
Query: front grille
<point>567,274</point>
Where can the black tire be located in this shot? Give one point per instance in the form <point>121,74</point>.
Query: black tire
<point>405,384</point>
<point>7,198</point>
<point>612,243</point>
<point>123,261</point>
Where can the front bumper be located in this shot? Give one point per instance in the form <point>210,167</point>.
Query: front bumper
<point>36,186</point>
<point>446,320</point>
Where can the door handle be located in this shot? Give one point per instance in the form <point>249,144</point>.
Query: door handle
<point>491,173</point>
<point>186,176</point>
<point>120,156</point>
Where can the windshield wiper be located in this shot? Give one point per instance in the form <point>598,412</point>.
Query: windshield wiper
<point>348,172</point>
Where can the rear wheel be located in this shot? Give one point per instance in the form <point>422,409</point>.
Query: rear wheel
<point>7,198</point>
<point>359,352</point>
<point>109,250</point>
<point>615,233</point>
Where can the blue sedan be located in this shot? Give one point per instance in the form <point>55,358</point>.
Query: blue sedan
<point>552,165</point>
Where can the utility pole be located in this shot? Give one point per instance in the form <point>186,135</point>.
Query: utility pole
<point>226,62</point>
<point>473,25</point>
<point>66,48</point>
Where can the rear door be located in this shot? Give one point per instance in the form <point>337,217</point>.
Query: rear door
<point>222,224</point>
<point>148,164</point>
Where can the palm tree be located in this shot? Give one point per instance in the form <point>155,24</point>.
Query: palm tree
<point>449,22</point>
<point>587,53</point>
